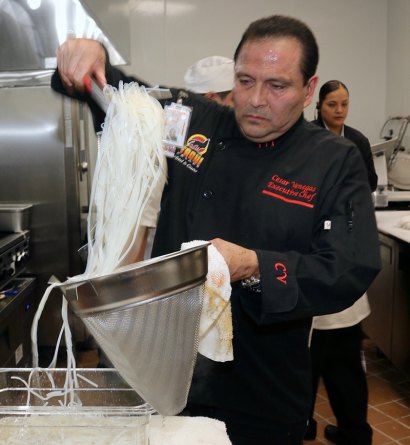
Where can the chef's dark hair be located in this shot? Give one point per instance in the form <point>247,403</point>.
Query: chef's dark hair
<point>326,88</point>
<point>277,26</point>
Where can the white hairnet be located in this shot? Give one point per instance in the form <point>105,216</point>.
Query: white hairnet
<point>215,73</point>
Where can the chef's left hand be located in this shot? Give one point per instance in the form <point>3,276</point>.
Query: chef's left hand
<point>242,263</point>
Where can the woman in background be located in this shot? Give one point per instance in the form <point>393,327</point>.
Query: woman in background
<point>332,109</point>
<point>336,344</point>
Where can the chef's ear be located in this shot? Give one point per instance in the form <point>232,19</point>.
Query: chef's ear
<point>212,95</point>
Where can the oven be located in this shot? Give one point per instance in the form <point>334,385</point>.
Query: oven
<point>17,300</point>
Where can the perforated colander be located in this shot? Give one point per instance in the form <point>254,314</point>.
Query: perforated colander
<point>145,317</point>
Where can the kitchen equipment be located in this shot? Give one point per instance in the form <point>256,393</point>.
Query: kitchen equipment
<point>391,162</point>
<point>34,31</point>
<point>395,128</point>
<point>103,101</point>
<point>18,304</point>
<point>105,410</point>
<point>14,255</point>
<point>47,142</point>
<point>145,317</point>
<point>14,217</point>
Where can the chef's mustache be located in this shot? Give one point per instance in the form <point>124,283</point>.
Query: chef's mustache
<point>255,112</point>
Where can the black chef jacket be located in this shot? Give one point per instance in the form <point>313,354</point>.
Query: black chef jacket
<point>363,144</point>
<point>302,202</point>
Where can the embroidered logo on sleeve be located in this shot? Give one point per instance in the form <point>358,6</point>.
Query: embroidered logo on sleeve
<point>282,273</point>
<point>191,155</point>
<point>291,191</point>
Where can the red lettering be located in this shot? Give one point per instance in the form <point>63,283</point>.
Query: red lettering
<point>281,268</point>
<point>280,180</point>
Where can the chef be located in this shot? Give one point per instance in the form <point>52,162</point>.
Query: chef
<point>286,203</point>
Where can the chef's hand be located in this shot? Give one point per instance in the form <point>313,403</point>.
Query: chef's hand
<point>79,57</point>
<point>242,263</point>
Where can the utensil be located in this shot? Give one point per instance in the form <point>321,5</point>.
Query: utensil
<point>145,317</point>
<point>101,99</point>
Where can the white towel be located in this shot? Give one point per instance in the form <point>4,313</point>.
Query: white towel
<point>179,430</point>
<point>215,328</point>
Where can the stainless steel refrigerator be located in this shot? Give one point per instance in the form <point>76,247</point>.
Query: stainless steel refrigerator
<point>47,142</point>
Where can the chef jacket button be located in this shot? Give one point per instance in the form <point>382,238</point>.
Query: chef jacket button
<point>221,145</point>
<point>208,194</point>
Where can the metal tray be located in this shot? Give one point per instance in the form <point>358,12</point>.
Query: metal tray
<point>14,217</point>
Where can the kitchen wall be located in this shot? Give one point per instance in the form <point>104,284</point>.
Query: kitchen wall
<point>168,35</point>
<point>398,61</point>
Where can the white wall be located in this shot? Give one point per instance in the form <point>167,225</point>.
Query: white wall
<point>398,62</point>
<point>168,35</point>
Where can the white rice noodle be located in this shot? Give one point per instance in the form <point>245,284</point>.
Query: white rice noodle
<point>130,164</point>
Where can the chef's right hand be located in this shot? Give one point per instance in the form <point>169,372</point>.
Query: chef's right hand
<point>77,58</point>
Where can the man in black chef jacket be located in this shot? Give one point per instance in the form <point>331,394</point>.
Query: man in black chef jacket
<point>285,202</point>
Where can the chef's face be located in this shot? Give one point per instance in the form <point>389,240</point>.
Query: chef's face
<point>335,107</point>
<point>269,93</point>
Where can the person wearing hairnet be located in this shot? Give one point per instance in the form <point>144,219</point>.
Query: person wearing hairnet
<point>213,77</point>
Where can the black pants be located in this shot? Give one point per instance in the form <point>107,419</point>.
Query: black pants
<point>244,430</point>
<point>337,358</point>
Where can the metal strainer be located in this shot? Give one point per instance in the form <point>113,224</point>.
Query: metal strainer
<point>145,317</point>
